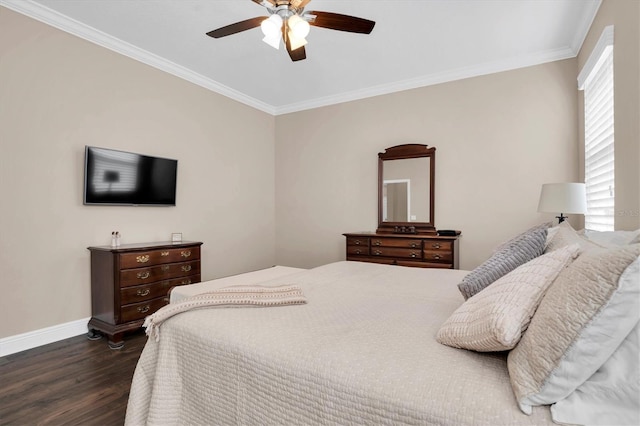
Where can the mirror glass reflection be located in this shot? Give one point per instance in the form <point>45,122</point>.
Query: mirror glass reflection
<point>405,190</point>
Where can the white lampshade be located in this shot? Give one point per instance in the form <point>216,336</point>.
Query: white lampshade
<point>563,198</point>
<point>296,42</point>
<point>271,26</point>
<point>298,26</point>
<point>273,41</point>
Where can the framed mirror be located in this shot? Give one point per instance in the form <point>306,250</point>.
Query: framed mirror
<point>406,189</point>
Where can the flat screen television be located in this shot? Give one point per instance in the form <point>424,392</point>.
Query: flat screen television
<point>124,178</point>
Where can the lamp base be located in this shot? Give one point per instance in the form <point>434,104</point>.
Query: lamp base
<point>561,218</point>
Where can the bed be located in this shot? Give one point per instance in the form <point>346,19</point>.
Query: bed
<point>362,350</point>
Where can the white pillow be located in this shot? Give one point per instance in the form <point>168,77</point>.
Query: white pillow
<point>612,395</point>
<point>613,238</point>
<point>495,318</point>
<point>584,316</point>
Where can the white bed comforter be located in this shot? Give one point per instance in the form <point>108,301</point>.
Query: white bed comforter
<point>361,351</point>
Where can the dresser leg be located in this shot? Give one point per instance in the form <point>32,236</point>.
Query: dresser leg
<point>94,334</point>
<point>116,341</point>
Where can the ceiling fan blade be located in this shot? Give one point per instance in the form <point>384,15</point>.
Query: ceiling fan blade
<point>295,55</point>
<point>265,3</point>
<point>298,54</point>
<point>299,4</point>
<point>237,27</point>
<point>337,21</point>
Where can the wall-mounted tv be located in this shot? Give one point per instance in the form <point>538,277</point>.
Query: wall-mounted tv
<point>124,178</point>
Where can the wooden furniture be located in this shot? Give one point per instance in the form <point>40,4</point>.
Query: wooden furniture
<point>424,251</point>
<point>131,281</point>
<point>406,233</point>
<point>406,189</point>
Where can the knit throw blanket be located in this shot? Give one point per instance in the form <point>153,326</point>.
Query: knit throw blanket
<point>253,295</point>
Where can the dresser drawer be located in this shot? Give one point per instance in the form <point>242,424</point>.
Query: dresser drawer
<point>438,256</point>
<point>434,245</point>
<point>396,252</point>
<point>355,241</point>
<point>357,250</point>
<point>157,257</point>
<point>396,242</point>
<point>137,311</point>
<point>138,276</point>
<point>141,293</point>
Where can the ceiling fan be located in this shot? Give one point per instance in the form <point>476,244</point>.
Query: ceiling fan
<point>288,22</point>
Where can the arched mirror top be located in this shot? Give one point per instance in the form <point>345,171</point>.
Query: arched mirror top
<point>406,189</point>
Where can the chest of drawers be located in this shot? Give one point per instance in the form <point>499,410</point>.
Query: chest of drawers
<point>424,251</point>
<point>131,281</point>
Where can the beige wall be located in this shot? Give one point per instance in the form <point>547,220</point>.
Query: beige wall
<point>498,138</point>
<point>58,93</point>
<point>624,15</point>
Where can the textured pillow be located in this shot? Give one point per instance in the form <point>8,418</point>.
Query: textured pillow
<point>564,235</point>
<point>584,316</point>
<point>518,251</point>
<point>494,319</point>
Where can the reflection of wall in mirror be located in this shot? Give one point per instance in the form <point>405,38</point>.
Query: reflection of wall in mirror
<point>396,200</point>
<point>415,170</point>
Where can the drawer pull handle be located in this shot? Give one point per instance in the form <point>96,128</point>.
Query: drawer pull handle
<point>186,268</point>
<point>377,243</point>
<point>143,309</point>
<point>436,256</point>
<point>186,282</point>
<point>414,245</point>
<point>377,252</point>
<point>414,255</point>
<point>164,253</point>
<point>435,246</point>
<point>185,253</point>
<point>142,259</point>
<point>164,268</point>
<point>143,275</point>
<point>356,242</point>
<point>143,293</point>
<point>358,251</point>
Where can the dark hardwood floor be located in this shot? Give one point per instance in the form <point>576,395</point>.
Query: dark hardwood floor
<point>72,382</point>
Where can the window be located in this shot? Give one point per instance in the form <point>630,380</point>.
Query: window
<point>596,79</point>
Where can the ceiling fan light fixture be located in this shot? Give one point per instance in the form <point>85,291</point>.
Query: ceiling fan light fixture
<point>296,42</point>
<point>298,26</point>
<point>273,41</point>
<point>271,26</point>
<point>288,21</point>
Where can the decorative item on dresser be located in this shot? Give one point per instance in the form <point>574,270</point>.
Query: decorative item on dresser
<point>131,281</point>
<point>406,233</point>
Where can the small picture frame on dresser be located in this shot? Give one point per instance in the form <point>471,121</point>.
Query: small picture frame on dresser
<point>176,237</point>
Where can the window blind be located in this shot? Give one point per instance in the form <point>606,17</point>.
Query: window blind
<point>599,143</point>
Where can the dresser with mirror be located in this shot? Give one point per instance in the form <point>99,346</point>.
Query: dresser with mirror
<point>406,233</point>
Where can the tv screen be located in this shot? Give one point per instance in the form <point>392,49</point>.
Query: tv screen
<point>124,178</point>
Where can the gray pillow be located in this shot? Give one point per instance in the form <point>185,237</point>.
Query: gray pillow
<point>518,251</point>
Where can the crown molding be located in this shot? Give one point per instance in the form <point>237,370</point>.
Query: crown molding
<point>588,16</point>
<point>432,79</point>
<point>71,26</point>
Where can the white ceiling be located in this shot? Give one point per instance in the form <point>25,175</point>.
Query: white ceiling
<point>414,43</point>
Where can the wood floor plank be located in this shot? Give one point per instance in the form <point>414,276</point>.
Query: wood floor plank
<point>72,382</point>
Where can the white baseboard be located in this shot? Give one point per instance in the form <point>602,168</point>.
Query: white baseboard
<point>33,339</point>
